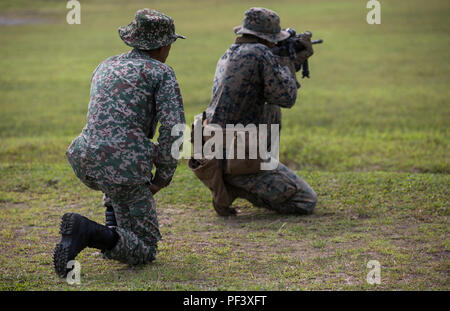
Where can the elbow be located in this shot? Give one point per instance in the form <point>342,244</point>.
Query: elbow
<point>290,100</point>
<point>286,101</point>
<point>291,94</point>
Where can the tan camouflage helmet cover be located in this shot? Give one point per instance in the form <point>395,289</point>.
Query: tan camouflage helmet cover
<point>263,23</point>
<point>149,30</point>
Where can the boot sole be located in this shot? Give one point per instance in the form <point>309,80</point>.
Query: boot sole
<point>61,252</point>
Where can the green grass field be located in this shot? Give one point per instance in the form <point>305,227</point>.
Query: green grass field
<point>370,133</point>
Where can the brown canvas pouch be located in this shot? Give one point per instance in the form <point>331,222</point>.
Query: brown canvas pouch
<point>242,166</point>
<point>210,173</point>
<point>236,166</point>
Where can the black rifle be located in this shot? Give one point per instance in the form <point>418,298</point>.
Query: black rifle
<point>292,45</point>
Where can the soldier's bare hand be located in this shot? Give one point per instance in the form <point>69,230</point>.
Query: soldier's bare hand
<point>154,188</point>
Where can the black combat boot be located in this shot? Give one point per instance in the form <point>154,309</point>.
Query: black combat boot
<point>78,232</point>
<point>110,217</point>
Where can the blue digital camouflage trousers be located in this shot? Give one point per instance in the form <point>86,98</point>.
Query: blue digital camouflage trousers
<point>280,190</point>
<point>135,211</point>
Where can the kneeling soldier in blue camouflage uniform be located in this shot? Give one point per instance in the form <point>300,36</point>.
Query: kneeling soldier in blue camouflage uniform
<point>250,86</point>
<point>130,93</point>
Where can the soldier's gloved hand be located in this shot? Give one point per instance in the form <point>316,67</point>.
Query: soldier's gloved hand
<point>306,53</point>
<point>305,39</point>
<point>154,188</point>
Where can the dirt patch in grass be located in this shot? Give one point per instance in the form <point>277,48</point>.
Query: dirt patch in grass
<point>258,249</point>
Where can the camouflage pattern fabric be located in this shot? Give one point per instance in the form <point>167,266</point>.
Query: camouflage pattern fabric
<point>280,190</point>
<point>149,30</point>
<point>247,76</point>
<point>130,93</point>
<point>271,115</point>
<point>250,86</point>
<point>263,23</point>
<point>137,224</point>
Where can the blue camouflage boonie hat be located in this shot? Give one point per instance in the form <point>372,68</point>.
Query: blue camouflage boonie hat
<point>149,30</point>
<point>263,23</point>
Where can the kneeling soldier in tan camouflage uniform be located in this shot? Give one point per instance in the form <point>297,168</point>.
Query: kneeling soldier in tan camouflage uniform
<point>130,93</point>
<point>250,86</point>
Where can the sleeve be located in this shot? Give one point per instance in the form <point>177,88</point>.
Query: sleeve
<point>94,75</point>
<point>280,83</point>
<point>169,112</point>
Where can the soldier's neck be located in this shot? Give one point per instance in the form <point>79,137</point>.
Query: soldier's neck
<point>253,39</point>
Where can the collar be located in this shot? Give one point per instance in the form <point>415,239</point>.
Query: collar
<point>241,40</point>
<point>139,54</point>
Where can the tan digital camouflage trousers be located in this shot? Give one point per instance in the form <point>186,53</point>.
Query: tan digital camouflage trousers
<point>280,190</point>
